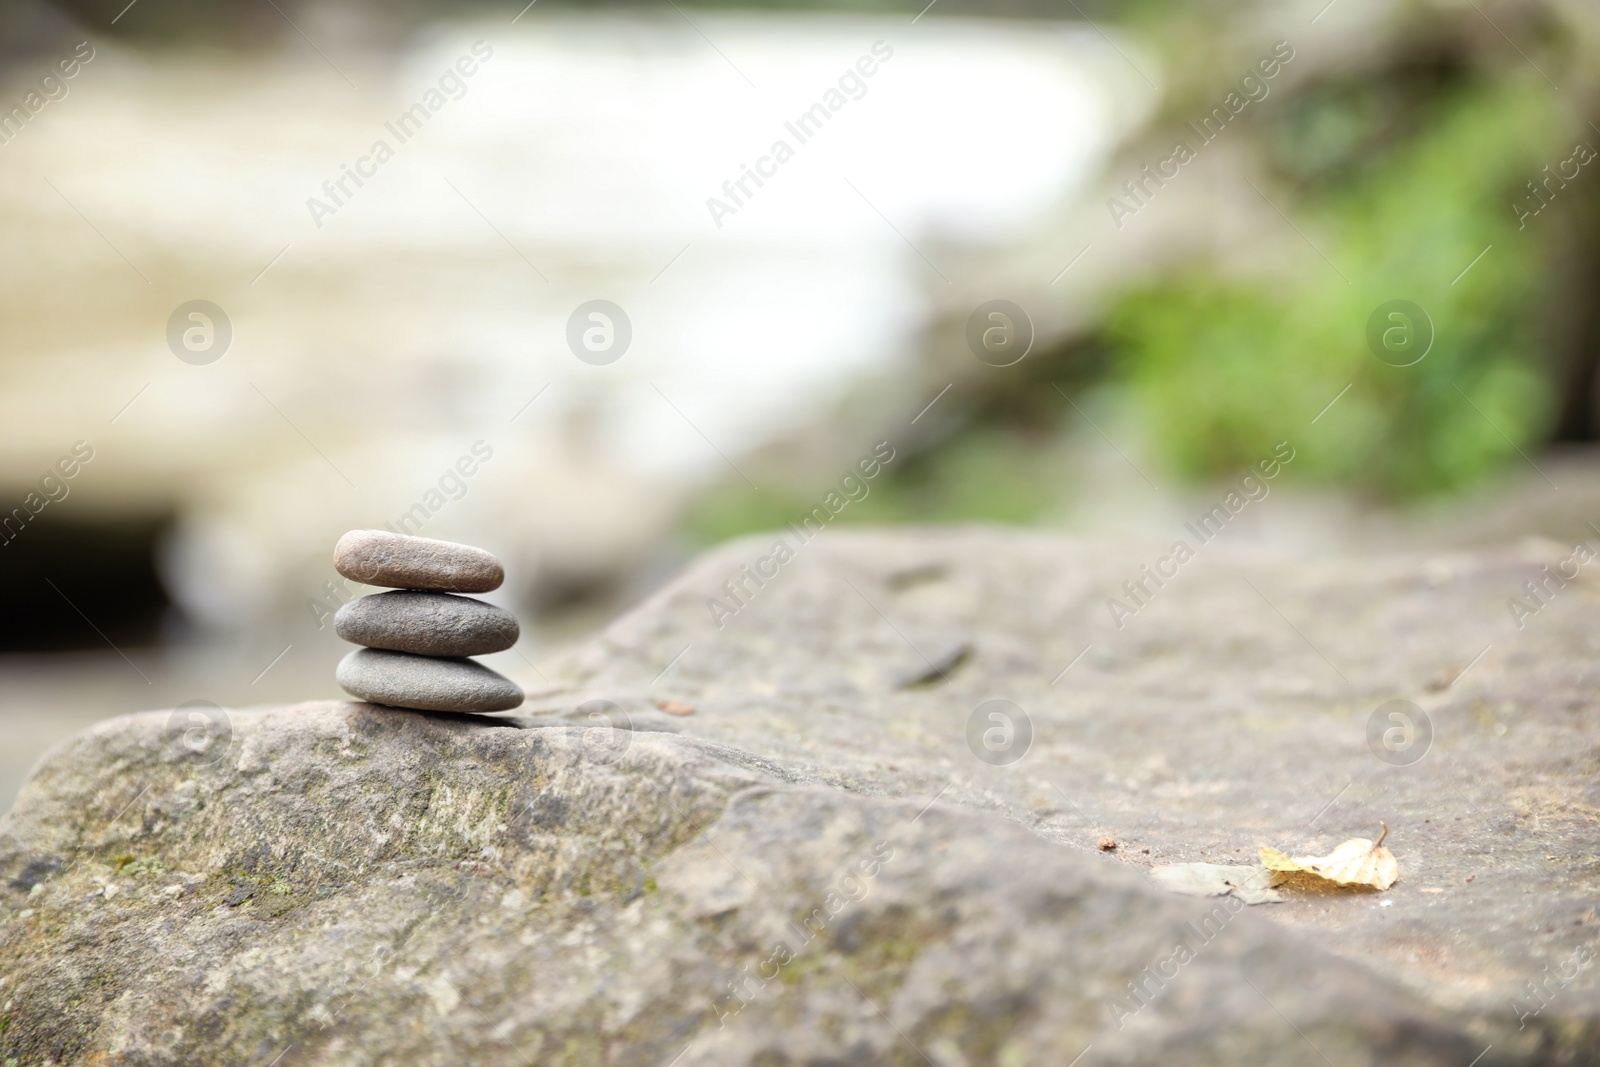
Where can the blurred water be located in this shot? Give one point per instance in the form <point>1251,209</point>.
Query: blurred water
<point>373,345</point>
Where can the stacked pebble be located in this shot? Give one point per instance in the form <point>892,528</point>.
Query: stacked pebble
<point>418,636</point>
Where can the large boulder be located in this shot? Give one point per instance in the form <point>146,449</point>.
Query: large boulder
<point>787,827</point>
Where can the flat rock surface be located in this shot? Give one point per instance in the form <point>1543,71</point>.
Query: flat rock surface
<point>842,855</point>
<point>1232,711</point>
<point>428,624</point>
<point>425,683</point>
<point>338,883</point>
<point>377,557</point>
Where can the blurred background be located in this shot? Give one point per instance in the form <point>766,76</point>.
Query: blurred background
<point>277,269</point>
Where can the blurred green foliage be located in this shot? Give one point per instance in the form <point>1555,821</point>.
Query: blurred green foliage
<point>1400,185</point>
<point>987,473</point>
<point>1220,367</point>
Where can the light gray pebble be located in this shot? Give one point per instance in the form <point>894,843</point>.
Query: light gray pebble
<point>425,683</point>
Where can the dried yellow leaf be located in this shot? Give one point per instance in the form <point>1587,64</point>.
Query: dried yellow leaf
<point>1274,860</point>
<point>1356,862</point>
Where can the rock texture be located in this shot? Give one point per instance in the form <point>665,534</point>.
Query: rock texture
<point>828,863</point>
<point>427,683</point>
<point>1235,708</point>
<point>376,557</point>
<point>362,886</point>
<point>427,624</point>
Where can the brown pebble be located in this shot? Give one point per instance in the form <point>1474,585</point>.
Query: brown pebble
<point>376,557</point>
<point>673,707</point>
<point>1106,844</point>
